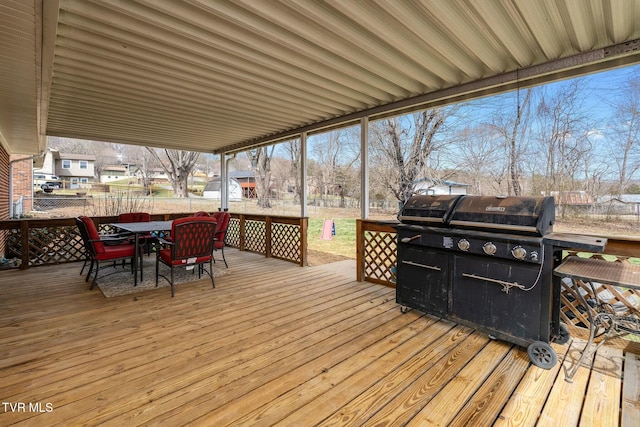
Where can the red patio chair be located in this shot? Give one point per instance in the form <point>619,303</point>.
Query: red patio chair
<point>223,219</point>
<point>103,247</point>
<point>201,214</point>
<point>191,245</point>
<point>134,217</point>
<point>145,239</point>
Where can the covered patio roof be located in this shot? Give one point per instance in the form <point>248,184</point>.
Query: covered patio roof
<point>220,76</point>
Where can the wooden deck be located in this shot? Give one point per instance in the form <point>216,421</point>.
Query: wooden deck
<point>276,344</point>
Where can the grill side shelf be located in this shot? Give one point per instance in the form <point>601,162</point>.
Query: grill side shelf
<point>577,242</point>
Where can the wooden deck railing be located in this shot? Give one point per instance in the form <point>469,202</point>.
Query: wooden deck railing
<point>283,237</point>
<point>376,260</point>
<point>53,241</point>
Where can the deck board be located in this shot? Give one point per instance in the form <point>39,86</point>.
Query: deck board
<point>276,344</point>
<point>523,407</point>
<point>631,391</point>
<point>601,407</point>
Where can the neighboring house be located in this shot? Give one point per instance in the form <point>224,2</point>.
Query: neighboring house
<point>156,175</point>
<point>75,170</point>
<point>48,167</point>
<point>624,204</point>
<point>212,190</point>
<point>247,181</point>
<point>114,173</point>
<point>573,198</point>
<point>439,187</point>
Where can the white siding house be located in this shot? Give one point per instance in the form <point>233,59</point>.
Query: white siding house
<point>212,190</point>
<point>439,187</point>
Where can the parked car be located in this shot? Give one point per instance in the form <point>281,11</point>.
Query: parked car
<point>50,185</point>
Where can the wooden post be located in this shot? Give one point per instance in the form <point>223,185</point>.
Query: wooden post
<point>359,250</point>
<point>24,234</point>
<point>241,232</point>
<point>304,229</point>
<point>267,236</point>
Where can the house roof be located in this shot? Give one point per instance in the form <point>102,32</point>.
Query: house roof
<point>241,174</point>
<point>115,168</point>
<point>214,184</point>
<point>575,198</point>
<point>74,156</point>
<point>217,76</point>
<point>622,198</point>
<point>446,182</point>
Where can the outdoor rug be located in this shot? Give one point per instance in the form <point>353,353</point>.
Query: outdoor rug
<point>119,280</point>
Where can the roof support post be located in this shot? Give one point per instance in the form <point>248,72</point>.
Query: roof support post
<point>364,167</point>
<point>224,182</point>
<point>303,175</point>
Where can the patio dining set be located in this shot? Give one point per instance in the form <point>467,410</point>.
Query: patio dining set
<point>187,242</point>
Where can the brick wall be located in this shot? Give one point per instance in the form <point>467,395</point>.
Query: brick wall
<point>23,180</point>
<point>4,193</point>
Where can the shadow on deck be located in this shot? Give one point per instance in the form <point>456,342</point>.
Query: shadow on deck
<point>275,343</point>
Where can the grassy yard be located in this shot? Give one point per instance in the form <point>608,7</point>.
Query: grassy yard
<point>343,243</point>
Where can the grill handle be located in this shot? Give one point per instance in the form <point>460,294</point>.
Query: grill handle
<point>408,239</point>
<point>505,285</point>
<point>430,267</point>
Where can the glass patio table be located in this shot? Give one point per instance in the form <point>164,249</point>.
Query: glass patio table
<point>137,229</point>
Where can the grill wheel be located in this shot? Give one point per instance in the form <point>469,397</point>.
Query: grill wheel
<point>542,355</point>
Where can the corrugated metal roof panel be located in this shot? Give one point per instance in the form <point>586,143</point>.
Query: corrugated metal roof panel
<point>215,75</point>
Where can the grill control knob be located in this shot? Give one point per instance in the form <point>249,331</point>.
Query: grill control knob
<point>463,244</point>
<point>489,248</point>
<point>519,252</point>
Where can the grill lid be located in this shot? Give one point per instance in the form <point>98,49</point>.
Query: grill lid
<point>510,213</point>
<point>428,209</point>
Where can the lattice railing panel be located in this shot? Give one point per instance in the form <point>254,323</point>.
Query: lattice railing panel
<point>233,233</point>
<point>57,240</point>
<point>51,245</point>
<point>254,239</point>
<point>380,256</point>
<point>285,241</point>
<point>13,243</point>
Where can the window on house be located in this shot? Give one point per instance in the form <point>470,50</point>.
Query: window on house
<point>66,164</point>
<point>84,180</point>
<point>84,164</point>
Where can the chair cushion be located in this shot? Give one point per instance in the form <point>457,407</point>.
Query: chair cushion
<point>165,257</point>
<point>125,250</point>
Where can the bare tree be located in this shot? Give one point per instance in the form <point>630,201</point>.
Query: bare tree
<point>293,149</point>
<point>476,154</point>
<point>624,142</point>
<point>563,136</point>
<point>511,128</point>
<point>333,153</point>
<point>261,165</point>
<point>147,163</point>
<point>402,146</point>
<point>178,165</point>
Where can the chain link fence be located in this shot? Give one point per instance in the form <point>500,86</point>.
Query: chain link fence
<point>110,204</point>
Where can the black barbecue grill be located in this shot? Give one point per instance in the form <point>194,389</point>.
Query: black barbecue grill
<point>487,262</point>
